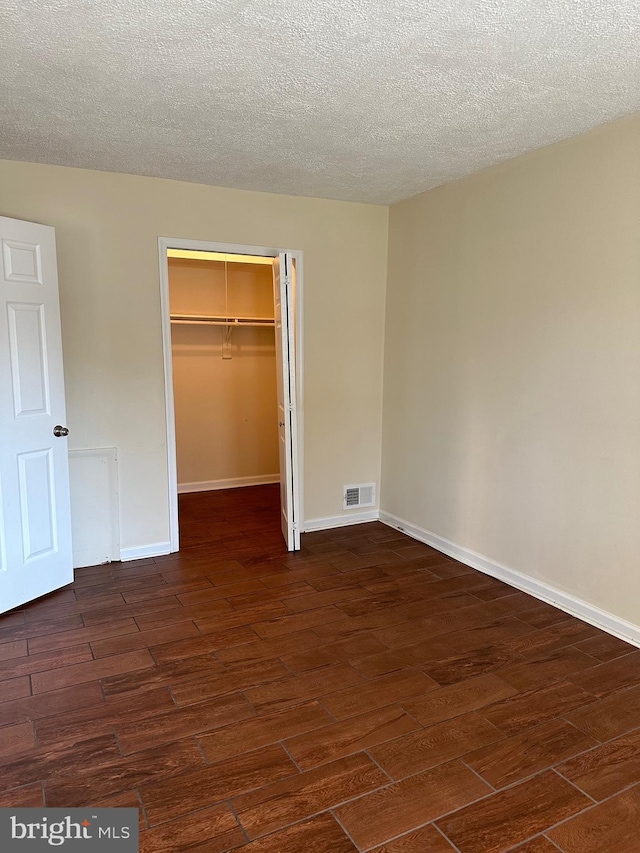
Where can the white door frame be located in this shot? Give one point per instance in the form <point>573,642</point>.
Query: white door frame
<point>165,243</point>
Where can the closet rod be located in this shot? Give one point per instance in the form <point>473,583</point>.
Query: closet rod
<point>185,319</point>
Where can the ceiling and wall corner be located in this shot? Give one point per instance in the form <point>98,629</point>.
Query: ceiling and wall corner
<point>343,99</point>
<point>512,300</point>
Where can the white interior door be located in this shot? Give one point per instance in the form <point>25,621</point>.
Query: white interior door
<point>35,519</point>
<point>283,295</point>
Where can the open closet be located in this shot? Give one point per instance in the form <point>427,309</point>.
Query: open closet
<point>232,360</point>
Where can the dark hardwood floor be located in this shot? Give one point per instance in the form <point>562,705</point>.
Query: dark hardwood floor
<point>365,693</point>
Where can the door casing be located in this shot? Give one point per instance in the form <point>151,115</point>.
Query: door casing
<point>165,243</point>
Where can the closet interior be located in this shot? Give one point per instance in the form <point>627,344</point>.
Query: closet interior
<point>224,370</point>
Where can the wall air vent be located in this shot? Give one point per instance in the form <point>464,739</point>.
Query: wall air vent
<point>357,496</point>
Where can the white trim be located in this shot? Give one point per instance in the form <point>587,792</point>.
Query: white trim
<point>602,619</point>
<point>170,417</point>
<point>298,336</point>
<point>339,520</point>
<point>140,552</point>
<point>233,483</point>
<point>165,243</point>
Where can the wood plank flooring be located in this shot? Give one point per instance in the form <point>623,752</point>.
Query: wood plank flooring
<point>364,694</point>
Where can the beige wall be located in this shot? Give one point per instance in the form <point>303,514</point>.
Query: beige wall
<point>107,227</point>
<point>226,410</point>
<point>512,375</point>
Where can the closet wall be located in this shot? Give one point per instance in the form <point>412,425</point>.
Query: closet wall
<point>225,408</point>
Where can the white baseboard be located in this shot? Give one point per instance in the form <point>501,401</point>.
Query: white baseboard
<point>562,600</point>
<point>233,483</point>
<point>339,520</point>
<point>157,549</point>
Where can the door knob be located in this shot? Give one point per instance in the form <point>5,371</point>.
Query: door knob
<point>60,431</point>
<point>280,423</point>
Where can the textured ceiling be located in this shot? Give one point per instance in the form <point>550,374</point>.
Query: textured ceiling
<point>367,100</point>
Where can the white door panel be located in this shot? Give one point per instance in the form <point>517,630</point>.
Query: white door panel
<point>283,292</point>
<point>37,503</point>
<point>35,526</point>
<point>22,262</point>
<point>29,372</point>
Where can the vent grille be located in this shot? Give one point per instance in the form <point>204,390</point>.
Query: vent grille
<point>363,494</point>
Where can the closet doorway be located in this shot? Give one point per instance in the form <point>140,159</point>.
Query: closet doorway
<point>231,319</point>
